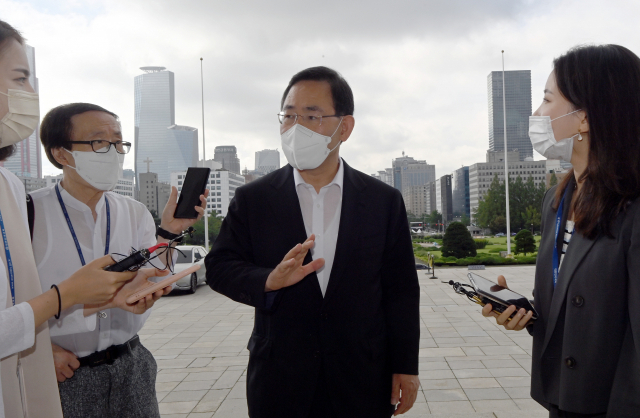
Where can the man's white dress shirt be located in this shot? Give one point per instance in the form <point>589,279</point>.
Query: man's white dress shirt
<point>321,215</point>
<point>57,259</point>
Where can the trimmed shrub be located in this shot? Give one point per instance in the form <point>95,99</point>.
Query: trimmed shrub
<point>525,243</point>
<point>481,243</point>
<point>457,242</point>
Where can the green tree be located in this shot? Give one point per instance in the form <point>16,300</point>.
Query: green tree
<point>492,204</point>
<point>198,234</point>
<point>525,243</point>
<point>457,242</point>
<point>553,180</point>
<point>465,220</point>
<point>533,217</point>
<point>498,224</point>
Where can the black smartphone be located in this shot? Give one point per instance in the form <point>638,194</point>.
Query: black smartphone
<point>499,297</point>
<point>195,183</point>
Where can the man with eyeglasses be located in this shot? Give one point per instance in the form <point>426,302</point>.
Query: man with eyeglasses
<point>103,369</point>
<point>324,254</point>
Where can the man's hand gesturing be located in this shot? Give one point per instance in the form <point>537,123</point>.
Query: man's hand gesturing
<point>290,271</point>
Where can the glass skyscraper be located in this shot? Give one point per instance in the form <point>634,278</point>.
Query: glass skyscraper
<point>227,155</point>
<point>27,160</point>
<point>460,192</point>
<point>518,104</point>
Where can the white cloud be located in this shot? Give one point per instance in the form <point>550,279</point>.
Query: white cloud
<point>418,68</point>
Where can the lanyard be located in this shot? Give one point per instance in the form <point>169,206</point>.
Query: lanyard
<point>556,256</point>
<point>73,233</point>
<point>9,262</point>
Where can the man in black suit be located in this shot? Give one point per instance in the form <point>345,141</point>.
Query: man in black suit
<point>337,323</point>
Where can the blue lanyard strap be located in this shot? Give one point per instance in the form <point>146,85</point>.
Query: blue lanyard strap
<point>73,233</point>
<point>9,262</point>
<point>556,255</point>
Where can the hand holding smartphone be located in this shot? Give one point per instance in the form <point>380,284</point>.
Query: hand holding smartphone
<point>195,183</point>
<point>161,285</point>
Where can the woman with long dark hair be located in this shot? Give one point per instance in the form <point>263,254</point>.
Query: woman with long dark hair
<point>586,340</point>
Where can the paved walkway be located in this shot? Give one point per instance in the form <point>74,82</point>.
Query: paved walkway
<point>469,367</point>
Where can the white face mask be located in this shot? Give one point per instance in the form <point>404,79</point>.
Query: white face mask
<point>306,149</point>
<point>22,118</point>
<point>101,170</point>
<point>544,141</point>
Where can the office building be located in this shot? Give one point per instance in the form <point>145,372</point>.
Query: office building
<point>161,146</point>
<point>251,175</point>
<point>267,160</point>
<point>444,201</point>
<point>152,193</point>
<point>227,155</point>
<point>417,199</point>
<point>222,188</point>
<point>27,160</point>
<point>31,184</point>
<point>213,165</point>
<point>125,187</point>
<point>481,175</point>
<point>460,192</point>
<point>385,176</point>
<point>517,85</point>
<point>409,172</point>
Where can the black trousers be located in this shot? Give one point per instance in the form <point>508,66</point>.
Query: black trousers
<point>554,412</point>
<point>321,406</point>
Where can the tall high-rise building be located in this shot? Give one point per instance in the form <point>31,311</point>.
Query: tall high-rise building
<point>444,199</point>
<point>227,155</point>
<point>161,146</point>
<point>409,172</point>
<point>267,160</point>
<point>517,85</point>
<point>460,192</point>
<point>27,160</point>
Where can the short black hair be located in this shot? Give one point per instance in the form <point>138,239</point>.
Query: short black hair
<point>56,126</point>
<point>340,91</point>
<point>8,32</point>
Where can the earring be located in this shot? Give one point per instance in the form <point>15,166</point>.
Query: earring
<point>579,136</point>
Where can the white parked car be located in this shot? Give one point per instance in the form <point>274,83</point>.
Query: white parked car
<point>191,254</point>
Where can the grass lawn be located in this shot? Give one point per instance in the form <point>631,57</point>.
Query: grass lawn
<point>493,248</point>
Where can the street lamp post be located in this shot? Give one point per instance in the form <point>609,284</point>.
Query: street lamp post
<point>506,162</point>
<point>205,218</point>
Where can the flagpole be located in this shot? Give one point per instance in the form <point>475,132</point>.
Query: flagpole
<point>506,161</point>
<point>204,161</point>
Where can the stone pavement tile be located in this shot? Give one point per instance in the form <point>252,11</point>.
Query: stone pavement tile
<point>471,373</point>
<point>473,351</point>
<point>494,364</point>
<point>170,377</point>
<point>495,405</point>
<point>418,410</point>
<point>519,392</point>
<point>439,384</point>
<point>174,416</point>
<point>185,395</point>
<point>436,374</point>
<point>507,349</point>
<point>514,381</point>
<point>200,415</point>
<point>227,380</point>
<point>508,371</point>
<point>433,365</point>
<point>173,364</point>
<point>462,364</point>
<point>441,352</point>
<point>521,414</point>
<point>160,395</point>
<point>166,386</point>
<point>211,376</point>
<point>232,408</point>
<point>239,391</point>
<point>485,394</point>
<point>530,405</point>
<point>450,407</point>
<point>445,395</point>
<point>176,407</point>
<point>211,401</point>
<point>479,383</point>
<point>194,385</point>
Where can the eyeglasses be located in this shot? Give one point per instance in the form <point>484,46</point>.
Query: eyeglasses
<point>313,120</point>
<point>102,146</point>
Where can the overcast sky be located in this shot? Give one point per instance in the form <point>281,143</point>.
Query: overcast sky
<point>418,69</point>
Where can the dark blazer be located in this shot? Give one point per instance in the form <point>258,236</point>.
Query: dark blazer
<point>365,328</point>
<point>586,341</point>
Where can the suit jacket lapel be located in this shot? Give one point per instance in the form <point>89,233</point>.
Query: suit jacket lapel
<point>577,249</point>
<point>353,206</point>
<point>286,208</point>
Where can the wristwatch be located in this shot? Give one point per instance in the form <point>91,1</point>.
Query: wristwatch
<point>161,232</point>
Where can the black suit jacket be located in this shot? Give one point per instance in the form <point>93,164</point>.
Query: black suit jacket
<point>365,328</point>
<point>586,341</point>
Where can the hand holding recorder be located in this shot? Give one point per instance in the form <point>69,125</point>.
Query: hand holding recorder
<point>509,318</point>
